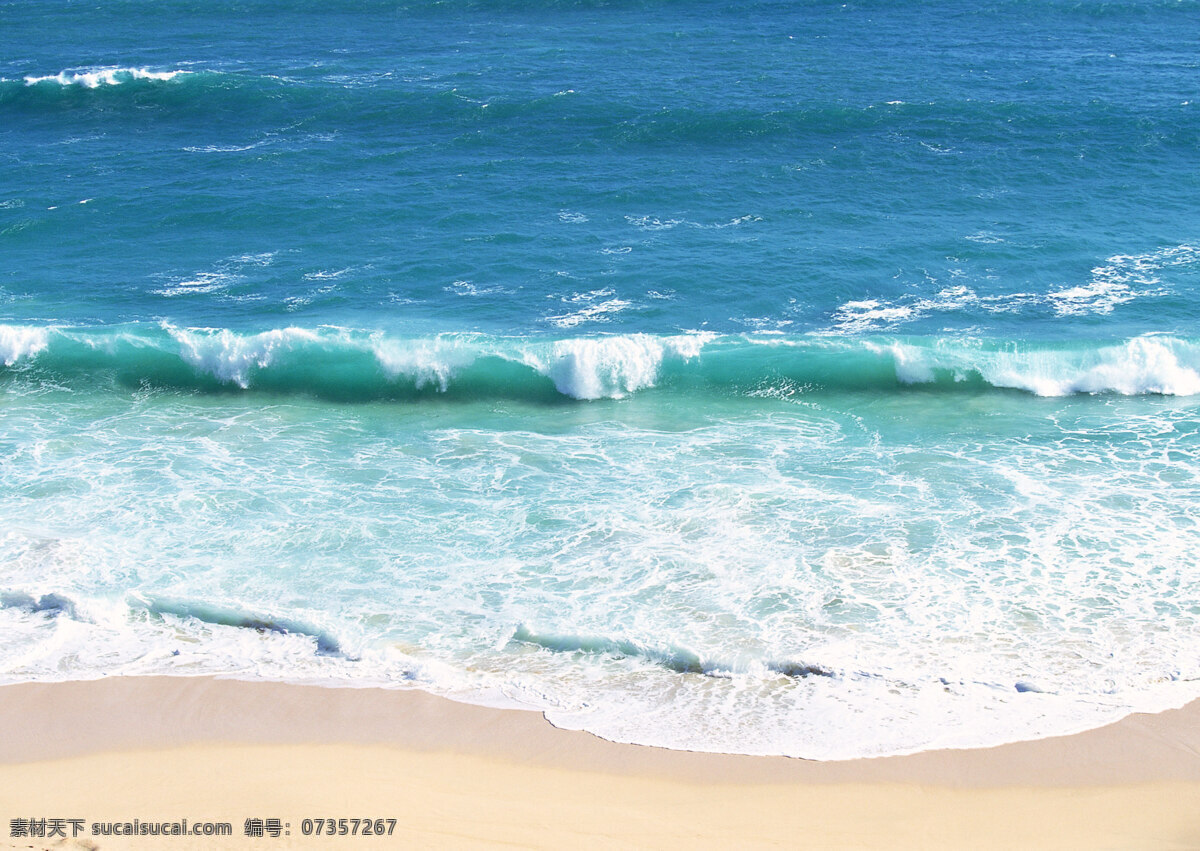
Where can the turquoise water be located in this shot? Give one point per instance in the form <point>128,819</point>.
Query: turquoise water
<point>801,378</point>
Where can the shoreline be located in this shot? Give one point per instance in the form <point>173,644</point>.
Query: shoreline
<point>461,775</point>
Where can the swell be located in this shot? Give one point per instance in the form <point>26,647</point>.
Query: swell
<point>99,84</point>
<point>94,78</point>
<point>596,117</point>
<point>349,365</point>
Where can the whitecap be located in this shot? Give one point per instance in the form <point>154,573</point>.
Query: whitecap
<point>611,367</point>
<point>869,314</point>
<point>431,362</point>
<point>1120,279</point>
<point>231,357</point>
<point>222,149</point>
<point>653,223</point>
<point>1143,365</point>
<point>600,312</point>
<point>223,275</point>
<point>93,78</point>
<point>466,288</point>
<point>18,342</point>
<point>326,274</point>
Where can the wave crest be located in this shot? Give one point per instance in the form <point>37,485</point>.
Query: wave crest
<point>18,342</point>
<point>231,357</point>
<point>94,78</point>
<point>612,367</point>
<point>1144,365</point>
<point>347,365</point>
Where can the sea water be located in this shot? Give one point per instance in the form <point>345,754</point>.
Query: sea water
<point>794,378</point>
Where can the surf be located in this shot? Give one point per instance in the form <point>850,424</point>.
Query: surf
<point>361,365</point>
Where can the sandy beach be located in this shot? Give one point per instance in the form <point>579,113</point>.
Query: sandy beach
<point>161,750</point>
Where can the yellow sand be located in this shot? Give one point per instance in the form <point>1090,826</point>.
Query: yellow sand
<point>458,776</point>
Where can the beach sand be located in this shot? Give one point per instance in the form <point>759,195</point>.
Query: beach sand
<point>460,776</point>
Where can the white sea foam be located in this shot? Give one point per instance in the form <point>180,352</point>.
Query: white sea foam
<point>327,274</point>
<point>261,258</point>
<point>732,223</point>
<point>869,314</point>
<point>201,282</point>
<point>856,317</point>
<point>985,237</point>
<point>595,306</point>
<point>710,580</point>
<point>1143,365</point>
<point>116,637</point>
<point>223,274</point>
<point>467,288</point>
<point>18,342</point>
<point>223,149</point>
<point>1150,364</point>
<point>772,325</point>
<point>1122,278</point>
<point>600,312</point>
<point>232,357</point>
<point>653,222</point>
<point>612,367</point>
<point>93,78</point>
<point>429,362</point>
<point>810,582</point>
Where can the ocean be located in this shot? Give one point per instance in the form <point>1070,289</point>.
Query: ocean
<point>804,378</point>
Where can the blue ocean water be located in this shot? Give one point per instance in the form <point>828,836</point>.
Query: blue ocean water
<point>776,377</point>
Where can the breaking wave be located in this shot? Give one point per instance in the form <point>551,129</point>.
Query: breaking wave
<point>673,658</point>
<point>349,365</point>
<point>326,644</point>
<point>93,78</point>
